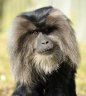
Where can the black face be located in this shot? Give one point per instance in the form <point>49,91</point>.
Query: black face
<point>44,44</point>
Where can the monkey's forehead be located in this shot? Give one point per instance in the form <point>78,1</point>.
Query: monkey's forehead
<point>38,14</point>
<point>39,17</point>
<point>46,16</point>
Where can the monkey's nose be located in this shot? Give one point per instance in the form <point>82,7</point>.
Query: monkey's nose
<point>43,39</point>
<point>45,42</point>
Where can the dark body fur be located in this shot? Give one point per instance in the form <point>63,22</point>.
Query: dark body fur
<point>43,69</point>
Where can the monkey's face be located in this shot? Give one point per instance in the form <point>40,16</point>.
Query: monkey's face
<point>43,37</point>
<point>47,53</point>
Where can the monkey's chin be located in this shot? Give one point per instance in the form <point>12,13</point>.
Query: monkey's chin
<point>44,62</point>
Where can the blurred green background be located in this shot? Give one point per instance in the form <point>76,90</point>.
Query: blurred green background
<point>74,9</point>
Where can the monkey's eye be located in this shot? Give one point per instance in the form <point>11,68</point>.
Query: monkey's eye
<point>50,29</point>
<point>35,31</point>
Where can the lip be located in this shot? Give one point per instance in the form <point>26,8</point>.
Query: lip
<point>47,51</point>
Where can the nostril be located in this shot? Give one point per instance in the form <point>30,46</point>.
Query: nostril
<point>47,42</point>
<point>43,43</point>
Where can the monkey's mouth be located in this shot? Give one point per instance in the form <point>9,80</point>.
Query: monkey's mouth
<point>46,51</point>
